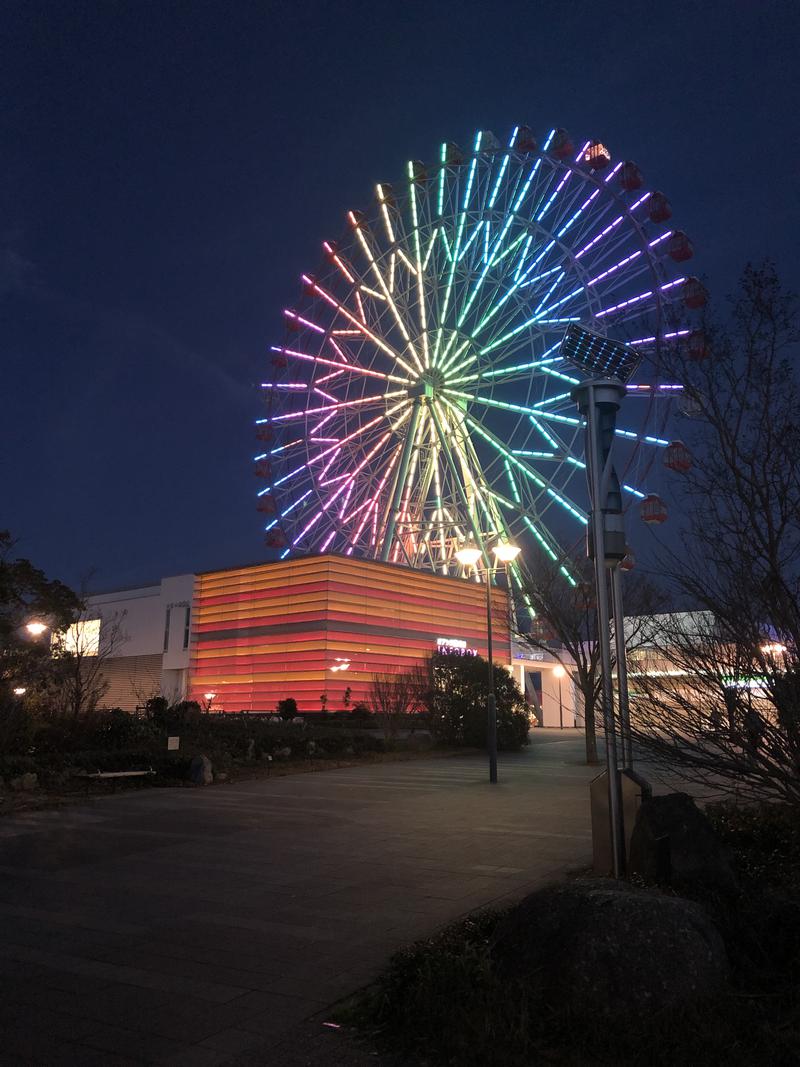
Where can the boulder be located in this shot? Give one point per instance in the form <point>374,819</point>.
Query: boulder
<point>601,947</point>
<point>674,844</point>
<point>201,771</point>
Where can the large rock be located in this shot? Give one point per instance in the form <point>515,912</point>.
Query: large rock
<point>600,947</point>
<point>673,843</point>
<point>201,771</point>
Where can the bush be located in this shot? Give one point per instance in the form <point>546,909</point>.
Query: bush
<point>111,729</point>
<point>764,839</point>
<point>458,702</point>
<point>362,716</point>
<point>17,726</point>
<point>441,1001</point>
<point>287,709</point>
<point>118,729</point>
<point>172,717</point>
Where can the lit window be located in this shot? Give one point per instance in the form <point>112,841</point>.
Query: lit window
<point>82,638</point>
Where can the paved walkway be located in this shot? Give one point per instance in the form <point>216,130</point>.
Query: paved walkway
<point>183,926</point>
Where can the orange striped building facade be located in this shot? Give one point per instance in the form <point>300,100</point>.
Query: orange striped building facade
<point>304,627</point>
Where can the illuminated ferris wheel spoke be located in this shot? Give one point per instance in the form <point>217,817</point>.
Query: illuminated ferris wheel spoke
<point>338,406</point>
<point>360,326</point>
<point>401,325</point>
<point>538,479</point>
<point>466,512</point>
<point>420,267</point>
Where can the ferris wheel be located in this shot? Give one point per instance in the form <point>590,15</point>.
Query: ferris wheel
<point>419,398</point>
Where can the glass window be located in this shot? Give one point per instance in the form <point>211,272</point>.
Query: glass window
<point>186,627</point>
<point>166,629</point>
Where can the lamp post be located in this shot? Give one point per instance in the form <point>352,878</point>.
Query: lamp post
<point>559,672</point>
<point>504,552</point>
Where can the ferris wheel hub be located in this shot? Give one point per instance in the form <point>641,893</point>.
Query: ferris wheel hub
<point>429,383</point>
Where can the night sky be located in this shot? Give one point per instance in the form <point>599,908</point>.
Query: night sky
<point>169,169</point>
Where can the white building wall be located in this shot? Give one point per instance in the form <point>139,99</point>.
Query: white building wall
<point>153,621</point>
<point>559,702</point>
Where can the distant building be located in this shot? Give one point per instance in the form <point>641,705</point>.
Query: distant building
<point>320,624</point>
<point>152,647</point>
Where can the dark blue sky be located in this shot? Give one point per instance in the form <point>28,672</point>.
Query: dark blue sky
<point>169,169</point>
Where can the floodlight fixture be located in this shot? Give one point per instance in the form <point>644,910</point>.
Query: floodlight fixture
<point>468,557</point>
<point>599,356</point>
<point>506,552</point>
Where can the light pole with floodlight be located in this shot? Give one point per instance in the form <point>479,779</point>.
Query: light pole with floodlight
<point>504,552</point>
<point>559,672</point>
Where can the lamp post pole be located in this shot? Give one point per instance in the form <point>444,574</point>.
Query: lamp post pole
<point>504,552</point>
<point>560,705</point>
<point>590,397</point>
<point>491,704</point>
<point>622,669</point>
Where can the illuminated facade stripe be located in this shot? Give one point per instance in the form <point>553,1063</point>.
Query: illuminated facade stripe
<point>275,630</point>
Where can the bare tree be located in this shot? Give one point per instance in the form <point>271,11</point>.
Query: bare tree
<point>726,713</point>
<point>82,652</point>
<point>725,702</point>
<point>396,695</point>
<point>565,626</point>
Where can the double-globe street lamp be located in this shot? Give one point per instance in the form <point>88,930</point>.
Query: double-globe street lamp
<point>504,552</point>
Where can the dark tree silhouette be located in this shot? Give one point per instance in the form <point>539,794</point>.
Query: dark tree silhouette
<point>723,695</point>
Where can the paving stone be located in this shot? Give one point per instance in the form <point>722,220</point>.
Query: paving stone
<point>121,1041</point>
<point>233,1041</point>
<point>194,925</point>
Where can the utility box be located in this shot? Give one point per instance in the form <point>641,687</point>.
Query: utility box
<point>633,789</point>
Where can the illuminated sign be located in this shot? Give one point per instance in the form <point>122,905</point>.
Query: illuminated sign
<point>454,646</point>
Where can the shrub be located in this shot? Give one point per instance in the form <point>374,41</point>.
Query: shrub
<point>458,702</point>
<point>17,726</point>
<point>118,729</point>
<point>287,709</point>
<point>441,1000</point>
<point>172,717</point>
<point>362,716</point>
